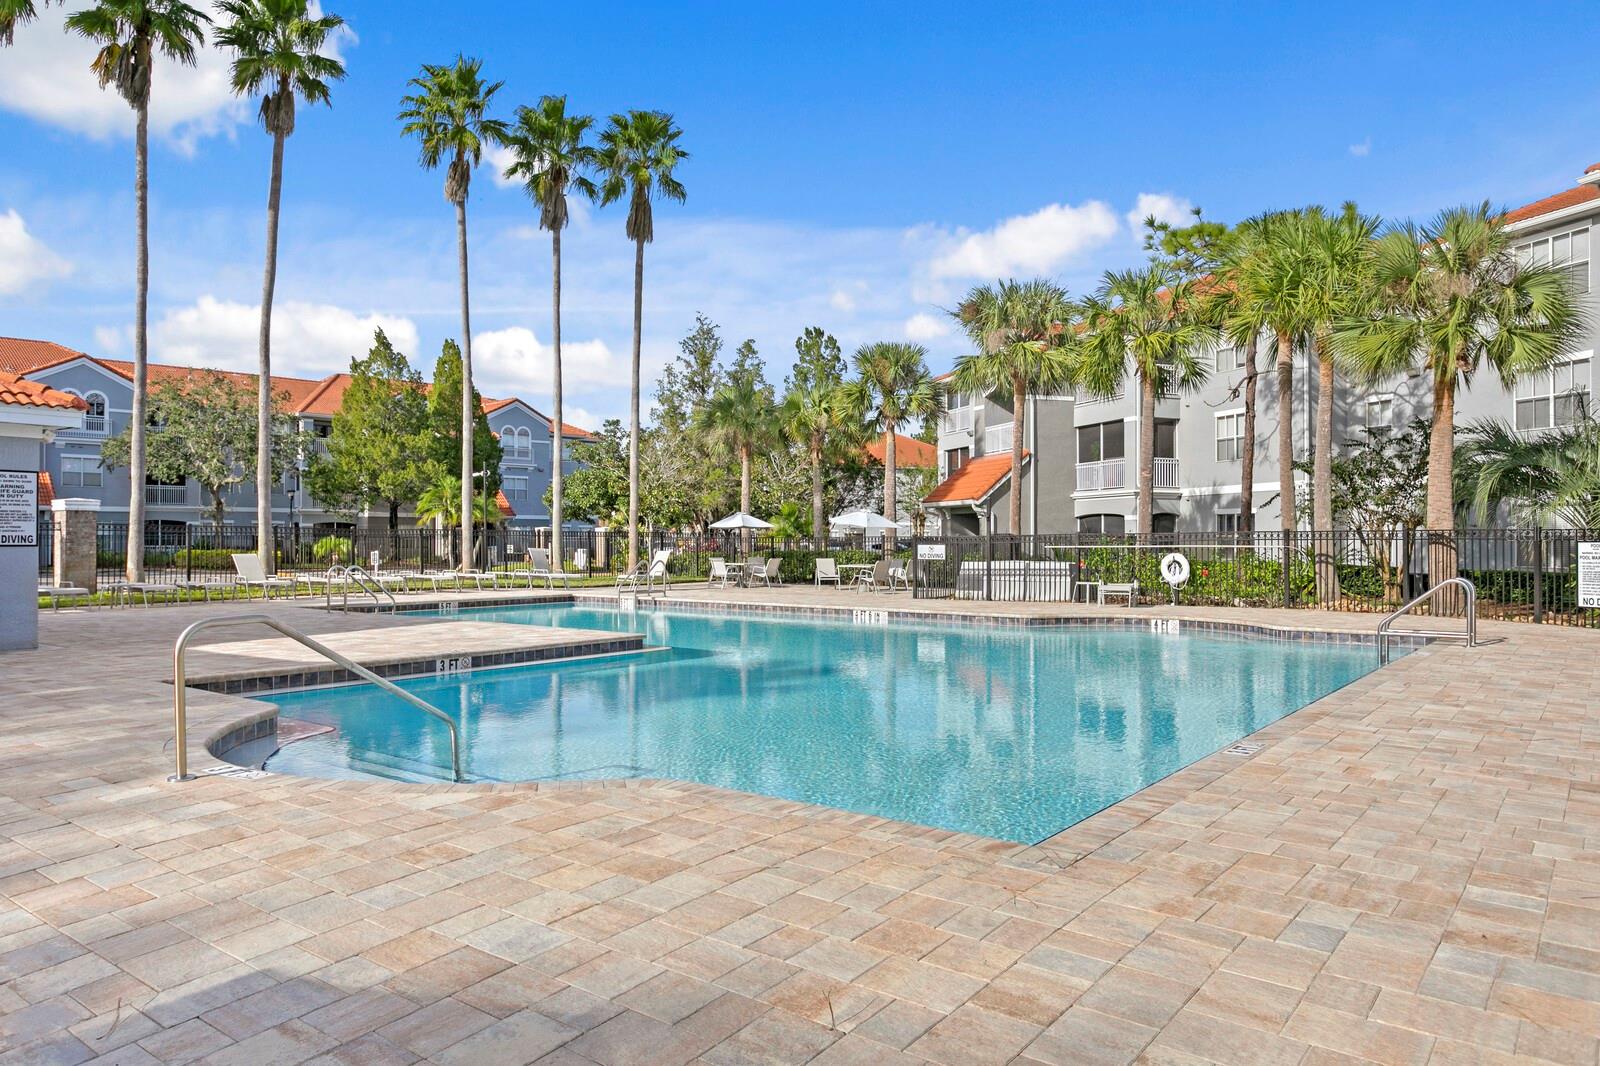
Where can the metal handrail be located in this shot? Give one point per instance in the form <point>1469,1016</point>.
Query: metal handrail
<point>1472,615</point>
<point>180,715</point>
<point>363,580</point>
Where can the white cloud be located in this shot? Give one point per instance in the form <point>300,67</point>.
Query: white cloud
<point>514,362</point>
<point>1362,150</point>
<point>925,327</point>
<point>108,340</point>
<point>1164,207</point>
<point>495,160</point>
<point>308,340</point>
<point>24,259</point>
<point>1036,243</point>
<point>840,300</point>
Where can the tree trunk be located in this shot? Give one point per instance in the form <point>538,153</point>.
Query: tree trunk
<point>394,515</point>
<point>1441,487</point>
<point>141,347</point>
<point>889,502</point>
<point>1286,432</point>
<point>633,406</point>
<point>555,422</point>
<point>745,455</point>
<point>468,415</point>
<point>219,512</point>
<point>1322,475</point>
<point>1247,464</point>
<point>1147,454</point>
<point>269,282</point>
<point>1019,416</point>
<point>816,493</point>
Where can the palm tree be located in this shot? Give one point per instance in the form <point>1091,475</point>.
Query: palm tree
<point>1448,297</point>
<point>550,158</point>
<point>1270,282</point>
<point>1553,477</point>
<point>441,502</point>
<point>892,387</point>
<point>740,416</point>
<point>817,415</point>
<point>1019,329</point>
<point>638,154</point>
<point>277,46</point>
<point>14,13</point>
<point>131,33</point>
<point>1150,321</point>
<point>1336,247</point>
<point>448,114</point>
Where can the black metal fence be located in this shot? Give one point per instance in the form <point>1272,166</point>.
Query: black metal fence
<point>1521,574</point>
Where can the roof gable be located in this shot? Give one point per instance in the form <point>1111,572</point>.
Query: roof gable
<point>975,482</point>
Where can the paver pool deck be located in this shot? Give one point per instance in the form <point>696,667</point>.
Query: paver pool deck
<point>1407,871</point>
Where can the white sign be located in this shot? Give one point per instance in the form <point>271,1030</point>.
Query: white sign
<point>1589,574</point>
<point>374,560</point>
<point>930,552</point>
<point>1175,569</point>
<point>1171,627</point>
<point>456,664</point>
<point>19,509</point>
<point>869,618</point>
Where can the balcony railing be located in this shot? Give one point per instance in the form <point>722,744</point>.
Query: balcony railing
<point>166,495</point>
<point>1102,475</point>
<point>1166,473</point>
<point>997,438</point>
<point>956,421</point>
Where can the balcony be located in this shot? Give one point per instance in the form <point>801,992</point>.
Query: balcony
<point>958,420</point>
<point>1166,473</point>
<point>1103,475</point>
<point>997,438</point>
<point>166,495</point>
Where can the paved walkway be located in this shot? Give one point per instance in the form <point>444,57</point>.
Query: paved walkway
<point>1409,871</point>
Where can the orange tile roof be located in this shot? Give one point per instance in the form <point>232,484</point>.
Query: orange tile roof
<point>973,482</point>
<point>47,489</point>
<point>500,501</point>
<point>567,428</point>
<point>1572,197</point>
<point>21,393</point>
<point>18,355</point>
<point>908,451</point>
<point>1592,168</point>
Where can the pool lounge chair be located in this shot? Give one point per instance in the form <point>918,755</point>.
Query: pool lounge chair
<point>125,591</point>
<point>539,569</point>
<point>874,579</point>
<point>825,570</point>
<point>59,592</point>
<point>252,576</point>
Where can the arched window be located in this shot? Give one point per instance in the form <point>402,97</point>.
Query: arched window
<point>95,421</point>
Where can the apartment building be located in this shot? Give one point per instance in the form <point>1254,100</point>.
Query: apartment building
<point>70,462</point>
<point>1081,470</point>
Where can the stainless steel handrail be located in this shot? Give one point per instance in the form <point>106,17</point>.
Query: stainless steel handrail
<point>1472,616</point>
<point>362,580</point>
<point>180,715</point>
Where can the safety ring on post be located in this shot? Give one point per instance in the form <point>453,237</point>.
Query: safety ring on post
<point>1175,569</point>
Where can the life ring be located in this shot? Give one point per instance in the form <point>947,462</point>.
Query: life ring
<point>1175,569</point>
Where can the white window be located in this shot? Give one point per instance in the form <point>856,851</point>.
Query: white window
<point>95,420</point>
<point>81,471</point>
<point>1229,358</point>
<point>1568,250</point>
<point>1380,412</point>
<point>957,417</point>
<point>517,444</point>
<point>1557,397</point>
<point>1230,437</point>
<point>1227,521</point>
<point>516,488</point>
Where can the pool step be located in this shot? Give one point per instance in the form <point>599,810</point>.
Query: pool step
<point>395,767</point>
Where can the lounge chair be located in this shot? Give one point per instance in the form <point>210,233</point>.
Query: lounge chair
<point>899,576</point>
<point>59,592</point>
<point>205,586</point>
<point>1128,590</point>
<point>767,574</point>
<point>646,576</point>
<point>253,576</point>
<point>874,579</point>
<point>539,569</point>
<point>826,570</point>
<point>125,591</point>
<point>718,572</point>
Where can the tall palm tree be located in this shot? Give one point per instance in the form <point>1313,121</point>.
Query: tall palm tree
<point>14,13</point>
<point>1270,285</point>
<point>1553,477</point>
<point>818,416</point>
<point>278,52</point>
<point>449,115</point>
<point>892,387</point>
<point>1337,249</point>
<point>1448,297</point>
<point>1020,330</point>
<point>131,33</point>
<point>1149,321</point>
<point>741,417</point>
<point>550,157</point>
<point>639,154</point>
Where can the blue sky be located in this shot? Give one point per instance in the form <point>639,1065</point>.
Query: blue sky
<point>854,166</point>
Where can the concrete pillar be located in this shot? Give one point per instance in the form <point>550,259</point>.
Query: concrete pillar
<point>602,549</point>
<point>75,541</point>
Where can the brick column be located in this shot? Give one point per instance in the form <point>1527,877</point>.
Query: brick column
<point>75,522</point>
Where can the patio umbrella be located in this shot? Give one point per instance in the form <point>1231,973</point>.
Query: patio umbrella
<point>740,520</point>
<point>867,521</point>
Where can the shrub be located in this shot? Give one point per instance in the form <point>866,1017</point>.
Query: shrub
<point>324,550</point>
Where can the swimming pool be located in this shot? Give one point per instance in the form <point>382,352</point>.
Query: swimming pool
<point>1006,732</point>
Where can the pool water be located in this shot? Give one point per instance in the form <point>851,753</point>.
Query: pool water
<point>1006,732</point>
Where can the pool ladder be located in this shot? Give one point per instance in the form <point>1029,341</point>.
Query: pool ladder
<point>1471,633</point>
<point>180,716</point>
<point>355,575</point>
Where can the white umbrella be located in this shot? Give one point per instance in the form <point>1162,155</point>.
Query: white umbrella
<point>863,520</point>
<point>740,520</point>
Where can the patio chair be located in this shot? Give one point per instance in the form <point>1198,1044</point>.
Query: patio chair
<point>645,575</point>
<point>1127,590</point>
<point>539,569</point>
<point>253,576</point>
<point>825,570</point>
<point>874,579</point>
<point>718,572</point>
<point>59,592</point>
<point>899,576</point>
<point>768,573</point>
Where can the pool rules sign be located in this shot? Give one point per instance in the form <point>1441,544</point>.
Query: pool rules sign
<point>1589,574</point>
<point>19,509</point>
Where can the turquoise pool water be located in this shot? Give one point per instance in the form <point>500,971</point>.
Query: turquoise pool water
<point>1013,733</point>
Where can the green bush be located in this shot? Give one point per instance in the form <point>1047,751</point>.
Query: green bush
<point>324,550</point>
<point>201,559</point>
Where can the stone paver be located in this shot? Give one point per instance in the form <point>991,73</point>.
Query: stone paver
<point>1408,872</point>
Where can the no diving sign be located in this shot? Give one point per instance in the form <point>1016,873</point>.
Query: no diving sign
<point>19,509</point>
